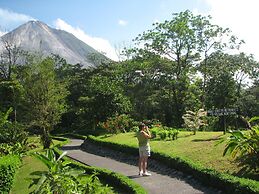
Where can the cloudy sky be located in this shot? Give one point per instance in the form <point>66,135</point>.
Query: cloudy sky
<point>108,25</point>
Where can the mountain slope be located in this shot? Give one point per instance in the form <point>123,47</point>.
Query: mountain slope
<point>35,36</point>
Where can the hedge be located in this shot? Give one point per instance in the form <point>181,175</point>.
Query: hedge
<point>8,166</point>
<point>69,135</point>
<point>225,182</point>
<point>113,179</point>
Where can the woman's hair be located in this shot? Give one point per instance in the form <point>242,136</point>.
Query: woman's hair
<point>141,125</point>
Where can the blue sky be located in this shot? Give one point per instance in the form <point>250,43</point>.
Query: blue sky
<point>105,24</point>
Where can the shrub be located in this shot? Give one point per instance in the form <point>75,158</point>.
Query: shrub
<point>118,123</point>
<point>16,149</point>
<point>8,166</point>
<point>154,132</point>
<point>194,120</point>
<point>162,134</point>
<point>11,132</point>
<point>152,123</point>
<point>173,134</point>
<point>135,129</point>
<point>62,177</point>
<point>244,145</point>
<point>59,177</point>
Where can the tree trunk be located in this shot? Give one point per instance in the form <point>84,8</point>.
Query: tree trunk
<point>46,139</point>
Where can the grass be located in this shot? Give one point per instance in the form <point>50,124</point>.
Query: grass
<point>24,175</point>
<point>201,148</point>
<point>29,165</point>
<point>22,178</point>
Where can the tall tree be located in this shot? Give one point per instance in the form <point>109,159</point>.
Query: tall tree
<point>173,40</point>
<point>45,97</point>
<point>8,58</point>
<point>104,98</point>
<point>210,39</point>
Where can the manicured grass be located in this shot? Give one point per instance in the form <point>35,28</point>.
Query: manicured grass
<point>23,175</point>
<point>29,165</point>
<point>201,148</point>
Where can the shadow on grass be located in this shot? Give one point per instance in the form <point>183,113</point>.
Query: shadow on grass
<point>107,135</point>
<point>209,139</point>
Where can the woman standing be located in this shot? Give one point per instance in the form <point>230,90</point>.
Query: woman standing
<point>143,136</point>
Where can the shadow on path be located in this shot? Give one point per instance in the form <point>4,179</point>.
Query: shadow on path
<point>153,166</point>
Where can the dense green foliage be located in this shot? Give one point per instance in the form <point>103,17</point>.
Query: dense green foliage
<point>164,133</point>
<point>118,124</point>
<point>8,166</point>
<point>62,178</point>
<point>179,66</point>
<point>245,146</point>
<point>13,137</point>
<point>45,97</point>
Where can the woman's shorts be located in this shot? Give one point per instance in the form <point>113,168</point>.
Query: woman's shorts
<point>144,151</point>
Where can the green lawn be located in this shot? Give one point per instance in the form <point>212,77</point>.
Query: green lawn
<point>29,165</point>
<point>200,148</point>
<point>22,177</point>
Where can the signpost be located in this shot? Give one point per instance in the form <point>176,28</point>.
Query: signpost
<point>222,112</point>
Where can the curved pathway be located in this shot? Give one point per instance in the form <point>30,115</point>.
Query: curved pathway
<point>162,181</point>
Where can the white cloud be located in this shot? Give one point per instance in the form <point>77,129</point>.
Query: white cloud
<point>122,22</point>
<point>97,43</point>
<point>241,17</point>
<point>10,19</point>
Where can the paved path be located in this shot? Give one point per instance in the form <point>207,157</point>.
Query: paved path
<point>158,183</point>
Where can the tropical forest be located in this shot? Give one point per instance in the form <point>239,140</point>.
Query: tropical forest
<point>184,78</point>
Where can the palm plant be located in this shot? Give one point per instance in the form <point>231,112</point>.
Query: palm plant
<point>60,177</point>
<point>194,120</point>
<point>244,145</point>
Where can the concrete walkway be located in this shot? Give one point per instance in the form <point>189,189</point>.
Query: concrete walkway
<point>158,183</point>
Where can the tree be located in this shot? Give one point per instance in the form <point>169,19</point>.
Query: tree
<point>104,99</point>
<point>8,58</point>
<point>45,97</point>
<point>175,41</point>
<point>210,39</point>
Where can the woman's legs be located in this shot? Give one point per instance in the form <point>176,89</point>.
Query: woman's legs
<point>144,164</point>
<point>140,164</point>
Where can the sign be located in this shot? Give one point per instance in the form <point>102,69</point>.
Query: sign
<point>222,112</point>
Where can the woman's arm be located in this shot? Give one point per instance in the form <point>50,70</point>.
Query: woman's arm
<point>146,133</point>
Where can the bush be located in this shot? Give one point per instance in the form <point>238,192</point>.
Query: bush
<point>11,132</point>
<point>173,134</point>
<point>162,134</point>
<point>118,123</point>
<point>16,149</point>
<point>244,145</point>
<point>61,177</point>
<point>8,166</point>
<point>154,132</point>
